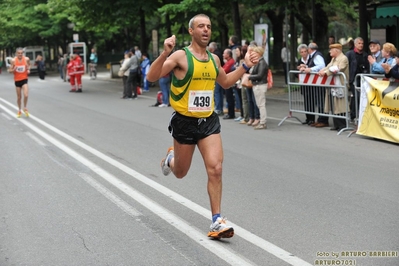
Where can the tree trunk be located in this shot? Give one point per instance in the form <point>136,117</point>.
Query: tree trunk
<point>277,28</point>
<point>236,20</point>
<point>144,41</point>
<point>363,26</point>
<point>321,27</point>
<point>293,41</point>
<point>223,34</point>
<point>305,35</point>
<point>168,26</point>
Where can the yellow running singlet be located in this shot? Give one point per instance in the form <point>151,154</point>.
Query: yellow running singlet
<point>193,95</point>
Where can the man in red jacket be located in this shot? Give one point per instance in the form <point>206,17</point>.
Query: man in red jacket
<point>75,71</point>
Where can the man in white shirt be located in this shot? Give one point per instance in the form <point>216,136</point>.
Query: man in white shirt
<point>285,57</point>
<point>315,64</point>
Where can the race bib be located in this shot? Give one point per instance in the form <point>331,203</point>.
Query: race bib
<point>200,101</point>
<point>20,69</point>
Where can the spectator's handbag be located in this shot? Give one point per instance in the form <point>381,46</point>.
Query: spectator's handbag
<point>245,81</point>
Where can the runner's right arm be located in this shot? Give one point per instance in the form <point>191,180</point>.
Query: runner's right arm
<point>163,64</point>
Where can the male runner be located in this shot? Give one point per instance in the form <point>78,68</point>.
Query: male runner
<point>20,66</point>
<point>194,122</point>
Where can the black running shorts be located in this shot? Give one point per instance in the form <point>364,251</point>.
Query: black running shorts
<point>188,130</point>
<point>20,83</point>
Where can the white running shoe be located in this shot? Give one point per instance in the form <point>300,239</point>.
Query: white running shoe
<point>163,105</point>
<point>219,229</point>
<point>164,163</point>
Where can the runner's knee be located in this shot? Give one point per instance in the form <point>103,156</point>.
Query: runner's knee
<point>180,173</point>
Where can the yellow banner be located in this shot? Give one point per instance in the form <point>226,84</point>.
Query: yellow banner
<point>379,109</point>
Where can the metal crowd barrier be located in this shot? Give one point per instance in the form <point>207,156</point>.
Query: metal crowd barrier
<point>313,93</point>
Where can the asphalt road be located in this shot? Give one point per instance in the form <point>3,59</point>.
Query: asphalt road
<point>81,185</point>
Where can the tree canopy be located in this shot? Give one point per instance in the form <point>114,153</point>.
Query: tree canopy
<point>121,24</point>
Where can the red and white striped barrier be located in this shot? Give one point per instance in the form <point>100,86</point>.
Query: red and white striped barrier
<point>315,79</point>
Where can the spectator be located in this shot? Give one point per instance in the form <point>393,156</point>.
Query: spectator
<point>137,52</point>
<point>285,57</point>
<point>351,44</point>
<point>336,105</point>
<point>228,67</point>
<point>244,98</point>
<point>388,54</point>
<point>253,110</point>
<point>375,58</point>
<point>237,88</point>
<point>133,65</point>
<point>41,67</point>
<point>331,40</point>
<point>60,65</point>
<point>93,64</point>
<point>145,67</point>
<point>315,63</point>
<point>358,64</point>
<point>124,72</point>
<point>64,67</point>
<point>259,81</point>
<point>307,91</point>
<point>219,91</point>
<point>392,71</point>
<point>164,83</point>
<point>233,43</point>
<point>246,44</point>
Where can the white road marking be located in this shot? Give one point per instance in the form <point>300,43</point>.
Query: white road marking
<point>6,116</point>
<point>37,140</point>
<point>224,253</point>
<point>250,237</point>
<point>111,196</point>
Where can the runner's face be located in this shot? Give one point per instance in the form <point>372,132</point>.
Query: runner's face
<point>201,31</point>
<point>20,53</point>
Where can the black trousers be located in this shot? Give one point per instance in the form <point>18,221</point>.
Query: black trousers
<point>131,87</point>
<point>308,101</point>
<point>230,101</point>
<point>353,103</point>
<point>320,96</point>
<point>42,74</point>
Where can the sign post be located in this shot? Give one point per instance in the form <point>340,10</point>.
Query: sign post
<point>261,38</point>
<point>80,49</point>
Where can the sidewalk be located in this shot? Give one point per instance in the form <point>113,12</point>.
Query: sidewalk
<point>279,92</point>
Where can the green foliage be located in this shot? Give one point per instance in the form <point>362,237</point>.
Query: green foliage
<point>188,6</point>
<point>116,24</point>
